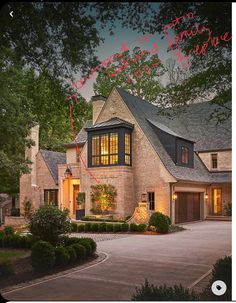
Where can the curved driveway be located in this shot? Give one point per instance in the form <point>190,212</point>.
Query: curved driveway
<point>173,258</point>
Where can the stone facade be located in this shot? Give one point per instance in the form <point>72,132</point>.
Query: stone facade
<point>224,159</point>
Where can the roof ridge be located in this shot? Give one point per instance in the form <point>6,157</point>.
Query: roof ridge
<point>47,150</point>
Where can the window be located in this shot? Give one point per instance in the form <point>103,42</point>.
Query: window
<point>217,203</point>
<point>184,155</point>
<point>105,149</point>
<point>214,163</point>
<point>50,196</point>
<point>127,148</point>
<point>151,200</point>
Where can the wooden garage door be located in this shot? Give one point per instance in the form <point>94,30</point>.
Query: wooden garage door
<point>187,207</point>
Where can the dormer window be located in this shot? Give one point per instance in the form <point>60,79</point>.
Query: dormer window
<point>184,155</point>
<point>109,143</point>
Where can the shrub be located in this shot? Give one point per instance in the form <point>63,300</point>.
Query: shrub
<point>15,212</point>
<point>125,227</point>
<point>228,209</point>
<point>62,256</point>
<point>87,246</point>
<point>6,268</point>
<point>74,227</point>
<point>222,270</point>
<point>72,253</point>
<point>16,241</point>
<point>142,227</point>
<point>80,228</point>
<point>9,230</point>
<point>133,227</point>
<point>160,222</point>
<point>168,219</point>
<point>71,240</point>
<point>49,222</point>
<point>87,227</point>
<point>103,198</point>
<point>116,228</point>
<point>92,243</point>
<point>149,292</point>
<point>109,227</point>
<point>28,209</point>
<point>102,227</point>
<point>42,256</point>
<point>80,251</point>
<point>94,227</point>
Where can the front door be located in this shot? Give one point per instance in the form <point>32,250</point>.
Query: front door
<point>217,201</point>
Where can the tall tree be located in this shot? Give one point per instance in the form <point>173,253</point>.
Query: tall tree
<point>138,72</point>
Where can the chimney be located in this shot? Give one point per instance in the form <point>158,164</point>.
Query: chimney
<point>98,101</point>
<point>31,152</point>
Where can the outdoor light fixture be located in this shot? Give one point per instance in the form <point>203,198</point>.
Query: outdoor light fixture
<point>206,195</point>
<point>174,197</point>
<point>144,197</point>
<point>68,173</point>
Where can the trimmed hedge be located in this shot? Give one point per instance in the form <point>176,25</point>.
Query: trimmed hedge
<point>80,251</point>
<point>72,253</point>
<point>116,228</point>
<point>6,268</point>
<point>142,227</point>
<point>43,256</point>
<point>160,222</point>
<point>62,256</point>
<point>109,227</point>
<point>8,231</point>
<point>74,227</point>
<point>94,227</point>
<point>87,227</point>
<point>16,241</point>
<point>102,227</point>
<point>80,228</point>
<point>133,227</point>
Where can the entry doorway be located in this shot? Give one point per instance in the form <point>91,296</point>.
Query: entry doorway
<point>75,194</point>
<point>217,201</point>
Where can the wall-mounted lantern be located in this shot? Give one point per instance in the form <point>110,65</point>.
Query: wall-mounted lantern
<point>206,195</point>
<point>174,196</point>
<point>68,173</point>
<point>144,197</point>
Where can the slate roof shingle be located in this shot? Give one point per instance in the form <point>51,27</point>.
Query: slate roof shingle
<point>111,122</point>
<point>52,160</point>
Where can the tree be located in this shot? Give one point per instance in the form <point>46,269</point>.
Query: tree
<point>138,73</point>
<point>210,70</point>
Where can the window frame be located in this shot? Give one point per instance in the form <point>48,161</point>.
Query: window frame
<point>47,192</point>
<point>212,160</point>
<point>183,147</point>
<point>151,202</point>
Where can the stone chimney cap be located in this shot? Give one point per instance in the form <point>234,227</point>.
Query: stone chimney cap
<point>98,97</point>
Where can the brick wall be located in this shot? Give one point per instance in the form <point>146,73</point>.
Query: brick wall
<point>224,159</point>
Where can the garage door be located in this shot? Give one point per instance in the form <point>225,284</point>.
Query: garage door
<point>187,207</point>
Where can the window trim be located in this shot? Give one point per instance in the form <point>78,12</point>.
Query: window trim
<point>47,191</point>
<point>149,202</point>
<point>216,159</point>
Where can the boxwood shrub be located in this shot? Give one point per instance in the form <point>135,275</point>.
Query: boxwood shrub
<point>133,227</point>
<point>109,227</point>
<point>72,253</point>
<point>142,227</point>
<point>80,251</point>
<point>71,240</point>
<point>116,228</point>
<point>160,222</point>
<point>62,256</point>
<point>74,227</point>
<point>87,227</point>
<point>80,228</point>
<point>92,243</point>
<point>94,227</point>
<point>6,268</point>
<point>102,227</point>
<point>87,246</point>
<point>42,256</point>
<point>8,231</point>
<point>16,241</point>
<point>125,227</point>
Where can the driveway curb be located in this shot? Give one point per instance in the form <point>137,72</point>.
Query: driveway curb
<point>102,257</point>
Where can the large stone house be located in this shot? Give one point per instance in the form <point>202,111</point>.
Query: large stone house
<point>180,164</point>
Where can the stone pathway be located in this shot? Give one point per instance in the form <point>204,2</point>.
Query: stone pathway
<point>100,237</point>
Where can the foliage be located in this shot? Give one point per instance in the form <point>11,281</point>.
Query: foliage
<point>87,227</point>
<point>168,219</point>
<point>141,227</point>
<point>80,198</point>
<point>6,268</point>
<point>88,218</point>
<point>28,209</point>
<point>160,222</point>
<point>94,227</point>
<point>228,209</point>
<point>137,72</point>
<point>62,256</point>
<point>222,270</point>
<point>133,227</point>
<point>109,227</point>
<point>80,228</point>
<point>71,240</point>
<point>16,241</point>
<point>74,227</point>
<point>49,222</point>
<point>80,251</point>
<point>103,198</point>
<point>125,227</point>
<point>116,228</point>
<point>8,230</point>
<point>15,212</point>
<point>87,245</point>
<point>42,256</point>
<point>102,227</point>
<point>149,292</point>
<point>72,253</point>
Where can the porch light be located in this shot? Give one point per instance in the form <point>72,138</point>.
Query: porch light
<point>174,197</point>
<point>144,197</point>
<point>206,196</point>
<point>68,173</point>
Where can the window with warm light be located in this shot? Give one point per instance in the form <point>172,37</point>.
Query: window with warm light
<point>151,200</point>
<point>127,148</point>
<point>51,196</point>
<point>214,162</point>
<point>105,149</point>
<point>184,155</point>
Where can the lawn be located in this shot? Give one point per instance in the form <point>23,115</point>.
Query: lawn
<point>13,253</point>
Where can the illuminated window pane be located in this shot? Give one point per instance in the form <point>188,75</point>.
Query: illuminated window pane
<point>113,143</point>
<point>95,160</point>
<point>184,155</point>
<point>114,159</point>
<point>104,145</point>
<point>95,145</point>
<point>104,160</point>
<point>127,144</point>
<point>127,159</point>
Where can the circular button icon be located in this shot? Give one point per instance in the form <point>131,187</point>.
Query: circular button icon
<point>218,288</point>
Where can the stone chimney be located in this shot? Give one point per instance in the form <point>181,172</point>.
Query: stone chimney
<point>98,101</point>
<point>31,152</point>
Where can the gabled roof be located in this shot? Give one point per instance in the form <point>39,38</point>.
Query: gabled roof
<point>113,122</point>
<point>192,124</point>
<point>52,160</point>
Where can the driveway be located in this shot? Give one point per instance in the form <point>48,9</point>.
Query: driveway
<point>174,258</point>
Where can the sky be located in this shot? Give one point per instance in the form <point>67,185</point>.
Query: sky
<point>112,44</point>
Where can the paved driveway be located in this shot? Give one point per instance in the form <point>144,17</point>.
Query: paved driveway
<point>174,258</point>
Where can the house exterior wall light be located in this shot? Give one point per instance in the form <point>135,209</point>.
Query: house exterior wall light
<point>174,196</point>
<point>68,173</point>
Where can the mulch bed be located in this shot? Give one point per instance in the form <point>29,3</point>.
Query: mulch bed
<point>24,271</point>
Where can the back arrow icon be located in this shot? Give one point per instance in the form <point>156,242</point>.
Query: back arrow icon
<point>11,14</point>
